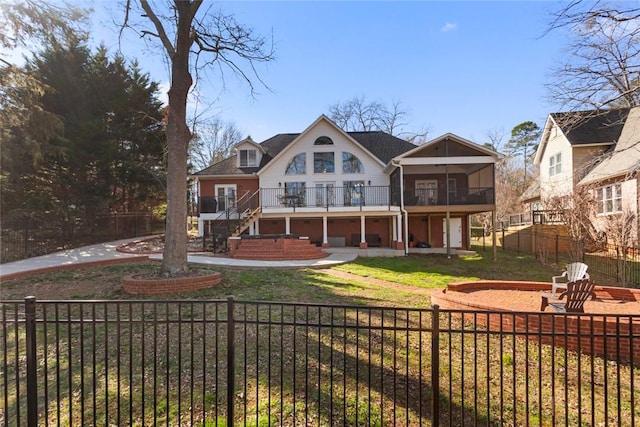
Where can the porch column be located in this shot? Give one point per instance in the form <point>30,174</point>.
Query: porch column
<point>200,227</point>
<point>287,225</point>
<point>394,230</point>
<point>397,232</point>
<point>448,231</point>
<point>493,235</point>
<point>256,226</point>
<point>363,240</point>
<point>325,234</point>
<point>252,231</point>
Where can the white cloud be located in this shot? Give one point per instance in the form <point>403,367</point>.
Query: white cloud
<point>449,26</point>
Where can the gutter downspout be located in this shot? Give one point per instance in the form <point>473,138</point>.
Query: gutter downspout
<point>402,209</point>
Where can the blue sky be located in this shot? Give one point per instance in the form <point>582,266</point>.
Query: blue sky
<point>461,67</point>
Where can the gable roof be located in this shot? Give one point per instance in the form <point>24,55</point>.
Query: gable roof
<point>583,128</point>
<point>381,145</point>
<point>591,127</point>
<point>455,138</point>
<point>624,158</point>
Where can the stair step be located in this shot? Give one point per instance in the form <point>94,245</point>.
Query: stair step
<point>278,249</point>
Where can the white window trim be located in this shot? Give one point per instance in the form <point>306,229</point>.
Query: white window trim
<point>601,199</point>
<point>250,163</point>
<point>555,164</point>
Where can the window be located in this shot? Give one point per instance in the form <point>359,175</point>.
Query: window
<point>323,163</point>
<point>555,164</point>
<point>297,165</point>
<point>351,163</point>
<point>609,199</point>
<point>248,158</point>
<point>353,193</point>
<point>323,140</point>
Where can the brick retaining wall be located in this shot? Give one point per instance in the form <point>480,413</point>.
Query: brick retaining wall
<point>610,335</point>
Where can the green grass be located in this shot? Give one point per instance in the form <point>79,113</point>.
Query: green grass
<point>438,270</point>
<point>365,363</point>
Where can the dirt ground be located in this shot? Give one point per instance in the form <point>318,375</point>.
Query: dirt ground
<point>156,245</point>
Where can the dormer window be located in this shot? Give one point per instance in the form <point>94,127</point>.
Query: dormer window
<point>248,158</point>
<point>323,140</point>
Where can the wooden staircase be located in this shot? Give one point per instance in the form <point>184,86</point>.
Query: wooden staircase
<point>277,249</point>
<point>247,219</point>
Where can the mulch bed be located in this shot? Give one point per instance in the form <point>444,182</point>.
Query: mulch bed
<point>155,245</point>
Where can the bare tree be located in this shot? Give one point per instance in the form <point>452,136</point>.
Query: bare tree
<point>506,174</point>
<point>577,211</point>
<point>193,40</point>
<point>212,142</point>
<point>602,68</point>
<point>619,230</point>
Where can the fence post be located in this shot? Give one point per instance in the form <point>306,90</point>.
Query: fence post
<point>557,248</point>
<point>435,366</point>
<point>231,327</point>
<point>32,365</point>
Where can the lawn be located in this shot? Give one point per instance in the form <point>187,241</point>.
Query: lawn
<point>295,374</point>
<point>304,285</point>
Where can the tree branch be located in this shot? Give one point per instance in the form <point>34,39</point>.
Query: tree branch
<point>162,35</point>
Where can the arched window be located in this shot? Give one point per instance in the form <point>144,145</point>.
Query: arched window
<point>351,163</point>
<point>323,140</point>
<point>297,165</point>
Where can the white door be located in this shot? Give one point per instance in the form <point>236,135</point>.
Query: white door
<point>456,232</point>
<point>426,192</point>
<point>325,193</point>
<point>225,196</point>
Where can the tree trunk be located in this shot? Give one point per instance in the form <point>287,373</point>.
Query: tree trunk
<point>174,260</point>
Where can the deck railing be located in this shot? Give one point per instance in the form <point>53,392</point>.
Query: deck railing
<point>325,197</point>
<point>455,196</point>
<point>228,362</point>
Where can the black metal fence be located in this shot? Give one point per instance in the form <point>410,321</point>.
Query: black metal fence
<point>227,362</point>
<point>28,237</point>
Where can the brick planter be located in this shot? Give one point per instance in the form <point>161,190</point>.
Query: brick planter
<point>134,284</point>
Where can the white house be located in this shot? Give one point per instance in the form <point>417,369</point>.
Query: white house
<point>351,188</point>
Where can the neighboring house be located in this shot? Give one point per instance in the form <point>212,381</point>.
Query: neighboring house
<point>351,188</point>
<point>599,151</point>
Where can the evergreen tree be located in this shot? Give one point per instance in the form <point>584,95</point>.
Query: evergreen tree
<point>107,152</point>
<point>524,142</point>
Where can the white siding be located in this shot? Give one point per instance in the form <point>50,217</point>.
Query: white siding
<point>249,146</point>
<point>274,173</point>
<point>562,183</point>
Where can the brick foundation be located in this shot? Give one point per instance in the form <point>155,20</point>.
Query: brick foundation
<point>275,249</point>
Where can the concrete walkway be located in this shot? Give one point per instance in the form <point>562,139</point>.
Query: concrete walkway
<point>107,251</point>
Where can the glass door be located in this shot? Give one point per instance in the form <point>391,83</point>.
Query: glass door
<point>325,193</point>
<point>226,196</point>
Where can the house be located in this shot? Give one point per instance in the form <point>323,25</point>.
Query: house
<point>595,150</point>
<point>360,189</point>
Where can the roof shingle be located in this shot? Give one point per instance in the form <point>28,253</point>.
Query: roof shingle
<point>382,145</point>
